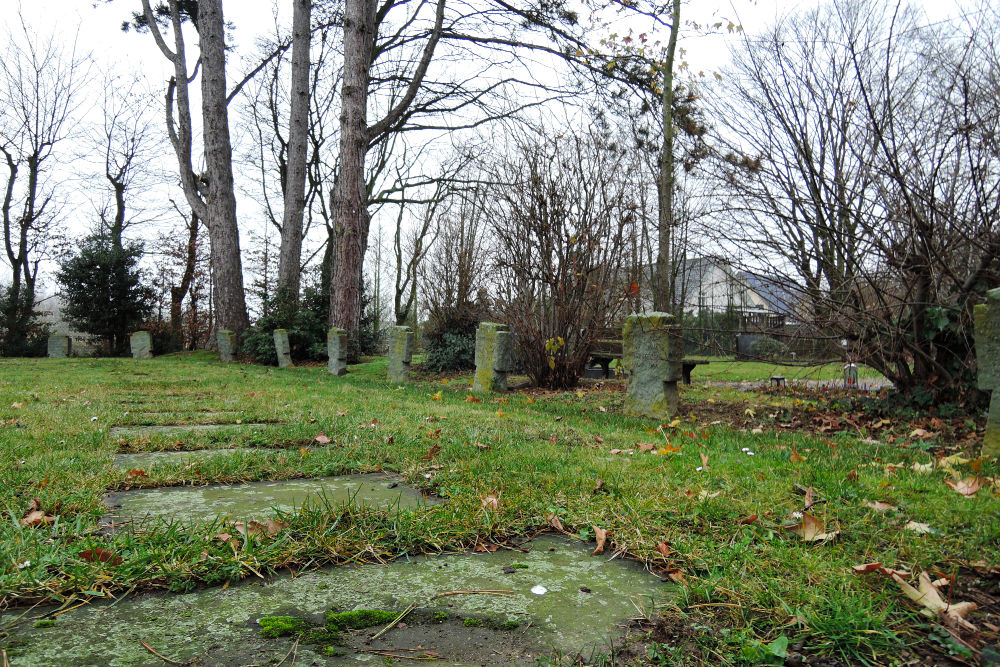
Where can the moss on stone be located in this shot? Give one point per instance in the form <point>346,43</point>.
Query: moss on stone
<point>511,624</point>
<point>45,623</point>
<point>472,622</point>
<point>358,619</point>
<point>282,626</point>
<point>440,616</point>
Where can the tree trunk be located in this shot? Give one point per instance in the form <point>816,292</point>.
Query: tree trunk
<point>664,296</point>
<point>230,302</point>
<point>177,292</point>
<point>351,234</point>
<point>290,256</point>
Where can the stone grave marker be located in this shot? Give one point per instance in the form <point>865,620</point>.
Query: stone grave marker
<point>282,347</point>
<point>652,378</point>
<point>142,345</point>
<point>400,353</point>
<point>336,350</point>
<point>850,376</point>
<point>59,346</point>
<point>987,333</point>
<point>227,345</point>
<point>494,357</point>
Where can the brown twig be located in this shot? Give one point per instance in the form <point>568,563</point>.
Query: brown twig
<point>3,654</point>
<point>164,658</point>
<point>506,593</point>
<point>294,646</point>
<point>388,654</point>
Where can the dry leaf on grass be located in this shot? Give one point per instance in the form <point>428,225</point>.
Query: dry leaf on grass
<point>795,457</point>
<point>35,516</point>
<point>100,556</point>
<point>472,399</point>
<point>747,520</point>
<point>664,549</point>
<point>322,439</point>
<point>490,501</point>
<point>645,447</point>
<point>879,506</point>
<point>134,472</point>
<point>269,528</point>
<point>601,535</point>
<point>704,460</point>
<point>432,452</point>
<point>967,487</point>
<point>928,596</point>
<point>811,529</point>
<point>556,523</point>
<point>918,527</point>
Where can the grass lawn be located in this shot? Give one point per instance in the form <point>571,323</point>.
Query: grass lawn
<point>698,508</point>
<point>726,369</point>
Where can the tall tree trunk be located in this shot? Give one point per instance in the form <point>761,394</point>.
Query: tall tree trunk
<point>290,256</point>
<point>230,301</point>
<point>177,292</point>
<point>664,294</point>
<point>351,234</point>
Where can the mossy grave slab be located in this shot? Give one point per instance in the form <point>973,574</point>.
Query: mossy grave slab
<point>144,460</point>
<point>159,429</point>
<point>587,601</point>
<point>257,500</point>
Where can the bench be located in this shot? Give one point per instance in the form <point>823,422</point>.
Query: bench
<point>607,350</point>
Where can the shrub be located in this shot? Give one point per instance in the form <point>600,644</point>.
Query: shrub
<point>305,324</point>
<point>768,348</point>
<point>451,338</point>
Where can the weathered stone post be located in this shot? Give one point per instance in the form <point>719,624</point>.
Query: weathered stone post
<point>987,335</point>
<point>400,353</point>
<point>494,357</point>
<point>227,345</point>
<point>142,345</point>
<point>652,378</point>
<point>850,376</point>
<point>336,350</point>
<point>59,346</point>
<point>282,347</point>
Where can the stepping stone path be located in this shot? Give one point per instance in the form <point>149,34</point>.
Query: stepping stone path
<point>144,460</point>
<point>122,431</point>
<point>586,599</point>
<point>256,500</point>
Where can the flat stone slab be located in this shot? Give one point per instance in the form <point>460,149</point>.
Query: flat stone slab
<point>122,431</point>
<point>141,460</point>
<point>256,500</point>
<point>586,600</point>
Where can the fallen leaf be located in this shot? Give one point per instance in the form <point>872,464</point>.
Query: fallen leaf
<point>853,476</point>
<point>472,399</point>
<point>482,446</point>
<point>35,515</point>
<point>274,527</point>
<point>487,548</point>
<point>322,439</point>
<point>16,406</point>
<point>101,556</point>
<point>225,537</point>
<point>432,452</point>
<point>867,567</point>
<point>927,595</point>
<point>795,457</point>
<point>668,449</point>
<point>133,473</point>
<point>490,501</point>
<point>601,535</point>
<point>705,495</point>
<point>967,487</point>
<point>880,506</point>
<point>664,549</point>
<point>747,520</point>
<point>437,396</point>
<point>645,447</point>
<point>811,529</point>
<point>704,460</point>
<point>922,468</point>
<point>918,527</point>
<point>676,576</point>
<point>556,523</point>
<point>304,450</point>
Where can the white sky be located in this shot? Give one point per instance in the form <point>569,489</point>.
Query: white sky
<point>96,27</point>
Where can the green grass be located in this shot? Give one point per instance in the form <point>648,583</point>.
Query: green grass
<point>726,369</point>
<point>538,453</point>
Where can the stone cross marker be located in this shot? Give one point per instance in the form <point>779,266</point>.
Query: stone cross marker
<point>400,353</point>
<point>987,332</point>
<point>652,378</point>
<point>59,346</point>
<point>142,345</point>
<point>227,345</point>
<point>282,347</point>
<point>336,350</point>
<point>494,357</point>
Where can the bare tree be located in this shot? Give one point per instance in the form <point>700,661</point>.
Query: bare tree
<point>210,195</point>
<point>290,259</point>
<point>40,81</point>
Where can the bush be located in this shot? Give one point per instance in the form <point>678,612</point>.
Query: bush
<point>768,348</point>
<point>451,338</point>
<point>305,324</point>
<point>103,291</point>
